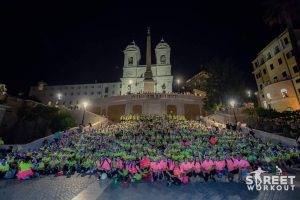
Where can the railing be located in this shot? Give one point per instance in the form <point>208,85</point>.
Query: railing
<point>277,80</point>
<point>161,95</point>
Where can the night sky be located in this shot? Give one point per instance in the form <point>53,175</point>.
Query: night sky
<point>68,43</point>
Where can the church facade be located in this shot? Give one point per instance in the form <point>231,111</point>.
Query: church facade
<point>132,80</point>
<point>134,72</point>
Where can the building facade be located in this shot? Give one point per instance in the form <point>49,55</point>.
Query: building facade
<point>196,84</point>
<point>277,73</point>
<point>132,80</point>
<point>133,71</point>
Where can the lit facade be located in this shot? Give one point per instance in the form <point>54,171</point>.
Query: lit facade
<point>277,73</point>
<point>196,84</point>
<point>133,71</point>
<point>132,80</point>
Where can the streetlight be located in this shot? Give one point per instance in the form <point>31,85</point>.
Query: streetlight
<point>248,93</point>
<point>232,103</point>
<point>59,95</point>
<point>85,104</point>
<point>178,82</point>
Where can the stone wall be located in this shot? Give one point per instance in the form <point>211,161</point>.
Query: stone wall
<point>89,117</point>
<point>37,143</point>
<point>150,103</point>
<point>265,136</point>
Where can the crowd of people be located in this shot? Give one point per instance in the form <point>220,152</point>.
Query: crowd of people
<point>150,148</point>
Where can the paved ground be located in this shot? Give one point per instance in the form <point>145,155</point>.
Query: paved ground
<point>44,188</point>
<point>85,188</point>
<point>217,191</point>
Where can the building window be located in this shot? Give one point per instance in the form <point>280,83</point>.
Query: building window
<point>78,93</point>
<point>120,85</point>
<point>264,71</point>
<point>260,86</point>
<point>130,61</point>
<point>70,102</point>
<point>66,94</point>
<point>78,87</point>
<point>284,74</point>
<point>271,66</point>
<point>71,93</point>
<point>279,61</point>
<point>269,56</point>
<point>277,49</point>
<point>163,59</point>
<point>99,93</point>
<point>275,79</point>
<point>106,89</point>
<point>92,86</point>
<point>85,93</point>
<point>286,40</point>
<point>284,93</point>
<point>296,69</point>
<point>289,54</point>
<point>268,95</point>
<point>258,75</point>
<point>262,61</point>
<point>298,80</point>
<point>92,93</point>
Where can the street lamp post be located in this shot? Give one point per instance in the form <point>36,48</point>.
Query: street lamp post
<point>232,104</point>
<point>84,109</point>
<point>59,98</point>
<point>248,93</point>
<point>178,82</point>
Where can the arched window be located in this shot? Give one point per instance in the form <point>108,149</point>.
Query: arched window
<point>163,59</point>
<point>130,61</point>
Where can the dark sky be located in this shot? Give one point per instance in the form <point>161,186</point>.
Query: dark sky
<point>64,43</point>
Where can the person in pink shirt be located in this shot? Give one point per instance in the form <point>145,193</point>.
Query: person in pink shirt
<point>207,165</point>
<point>119,164</point>
<point>132,168</point>
<point>244,164</point>
<point>106,165</point>
<point>170,165</point>
<point>220,165</point>
<point>197,167</point>
<point>145,162</point>
<point>230,165</point>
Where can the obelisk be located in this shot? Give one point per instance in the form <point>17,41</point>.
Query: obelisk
<point>148,80</point>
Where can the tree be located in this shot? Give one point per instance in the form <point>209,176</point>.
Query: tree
<point>280,12</point>
<point>62,121</point>
<point>1,142</point>
<point>225,80</point>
